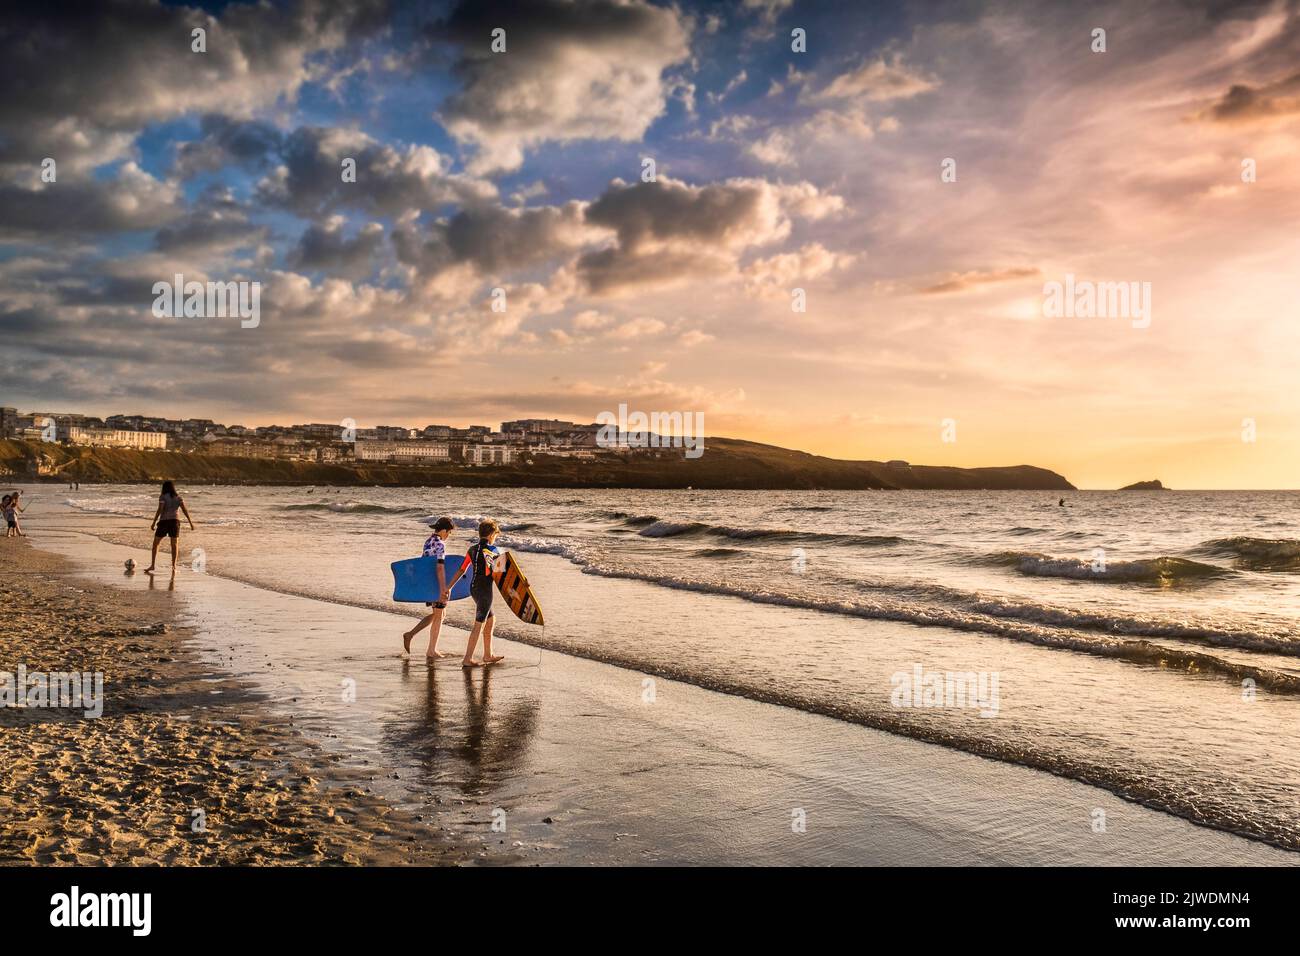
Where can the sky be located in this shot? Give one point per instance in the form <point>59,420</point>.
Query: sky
<point>832,227</point>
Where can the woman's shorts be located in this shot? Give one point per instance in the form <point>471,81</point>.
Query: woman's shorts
<point>436,605</point>
<point>482,605</point>
<point>170,528</point>
<point>12,523</point>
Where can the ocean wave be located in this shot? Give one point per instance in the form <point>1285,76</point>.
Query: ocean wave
<point>1162,570</point>
<point>1112,623</point>
<point>110,507</point>
<point>637,521</point>
<point>1134,650</point>
<point>676,529</point>
<point>718,552</point>
<point>1255,554</point>
<point>671,529</point>
<point>350,507</point>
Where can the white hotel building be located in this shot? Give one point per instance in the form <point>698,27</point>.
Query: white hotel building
<point>116,438</point>
<point>402,451</point>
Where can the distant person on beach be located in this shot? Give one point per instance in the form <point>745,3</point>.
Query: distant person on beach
<point>166,523</point>
<point>10,507</point>
<point>481,556</point>
<point>435,547</point>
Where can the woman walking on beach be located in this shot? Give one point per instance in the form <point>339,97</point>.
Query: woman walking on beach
<point>166,523</point>
<point>11,509</point>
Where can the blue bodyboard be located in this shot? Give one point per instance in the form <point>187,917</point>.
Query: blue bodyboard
<point>415,580</point>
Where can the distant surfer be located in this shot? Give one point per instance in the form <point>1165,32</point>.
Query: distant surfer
<point>166,524</point>
<point>481,557</point>
<point>435,547</point>
<point>1061,503</point>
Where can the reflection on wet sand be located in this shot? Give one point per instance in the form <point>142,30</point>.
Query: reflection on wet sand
<point>476,748</point>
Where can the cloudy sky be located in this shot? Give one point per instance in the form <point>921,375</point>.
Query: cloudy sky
<point>526,171</point>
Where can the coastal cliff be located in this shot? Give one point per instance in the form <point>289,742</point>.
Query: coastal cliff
<point>726,463</point>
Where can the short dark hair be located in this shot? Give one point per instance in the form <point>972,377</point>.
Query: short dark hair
<point>486,527</point>
<point>444,524</point>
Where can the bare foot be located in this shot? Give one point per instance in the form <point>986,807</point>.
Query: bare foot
<point>149,570</point>
<point>406,641</point>
<point>436,654</point>
<point>493,658</point>
<point>470,664</point>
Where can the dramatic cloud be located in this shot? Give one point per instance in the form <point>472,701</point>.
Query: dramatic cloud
<point>573,69</point>
<point>668,231</point>
<point>963,281</point>
<point>326,248</point>
<point>879,80</point>
<point>1243,104</point>
<point>130,200</point>
<point>494,239</point>
<point>388,180</point>
<point>778,274</point>
<point>216,223</point>
<point>78,75</point>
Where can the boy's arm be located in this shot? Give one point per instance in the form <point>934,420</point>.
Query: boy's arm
<point>463,565</point>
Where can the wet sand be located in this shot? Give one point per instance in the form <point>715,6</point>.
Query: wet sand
<point>557,760</point>
<point>175,736</point>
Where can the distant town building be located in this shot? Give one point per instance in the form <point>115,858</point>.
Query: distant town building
<point>490,454</point>
<point>534,426</point>
<point>320,432</point>
<point>117,438</point>
<point>8,422</point>
<point>402,451</point>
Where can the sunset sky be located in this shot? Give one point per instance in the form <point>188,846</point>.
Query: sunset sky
<point>776,170</point>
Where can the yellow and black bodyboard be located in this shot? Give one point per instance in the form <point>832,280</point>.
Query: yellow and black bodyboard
<point>514,588</point>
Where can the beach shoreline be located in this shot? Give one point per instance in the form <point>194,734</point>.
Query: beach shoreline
<point>185,766</point>
<point>580,768</point>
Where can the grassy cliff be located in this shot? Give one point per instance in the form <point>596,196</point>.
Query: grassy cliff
<point>726,463</point>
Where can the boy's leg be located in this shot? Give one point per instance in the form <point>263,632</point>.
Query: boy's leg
<point>468,659</point>
<point>488,656</point>
<point>407,635</point>
<point>435,629</point>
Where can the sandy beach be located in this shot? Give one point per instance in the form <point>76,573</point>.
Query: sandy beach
<point>175,737</point>
<point>547,759</point>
